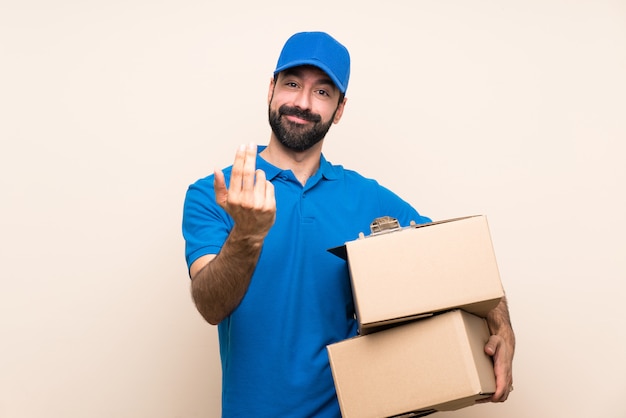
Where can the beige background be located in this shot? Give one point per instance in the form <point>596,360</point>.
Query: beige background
<point>109,109</point>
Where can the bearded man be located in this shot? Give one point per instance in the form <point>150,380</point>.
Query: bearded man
<point>257,248</point>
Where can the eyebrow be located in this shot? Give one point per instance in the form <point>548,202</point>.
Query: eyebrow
<point>296,71</point>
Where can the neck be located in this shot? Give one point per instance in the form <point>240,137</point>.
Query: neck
<point>303,164</point>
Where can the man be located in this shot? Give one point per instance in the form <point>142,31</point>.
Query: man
<point>257,248</point>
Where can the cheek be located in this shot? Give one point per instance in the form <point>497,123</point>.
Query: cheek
<point>335,115</point>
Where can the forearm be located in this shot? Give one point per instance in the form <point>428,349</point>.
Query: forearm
<point>499,322</point>
<point>218,288</point>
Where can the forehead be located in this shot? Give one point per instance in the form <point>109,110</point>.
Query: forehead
<point>309,72</point>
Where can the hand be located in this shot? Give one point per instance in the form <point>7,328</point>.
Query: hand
<point>249,199</point>
<point>501,349</point>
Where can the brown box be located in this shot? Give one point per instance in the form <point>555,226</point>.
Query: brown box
<point>432,364</point>
<point>423,269</point>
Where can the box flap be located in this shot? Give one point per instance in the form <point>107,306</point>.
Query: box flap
<point>341,251</point>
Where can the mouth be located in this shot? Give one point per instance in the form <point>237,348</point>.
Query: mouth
<point>297,120</point>
<point>297,116</point>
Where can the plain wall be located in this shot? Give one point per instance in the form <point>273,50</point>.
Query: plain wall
<point>110,109</point>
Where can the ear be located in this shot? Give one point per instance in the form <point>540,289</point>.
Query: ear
<point>339,111</point>
<point>270,92</point>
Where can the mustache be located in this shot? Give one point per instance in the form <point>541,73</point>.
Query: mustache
<point>302,114</point>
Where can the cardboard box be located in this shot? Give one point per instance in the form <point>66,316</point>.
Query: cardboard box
<point>432,364</point>
<point>423,269</point>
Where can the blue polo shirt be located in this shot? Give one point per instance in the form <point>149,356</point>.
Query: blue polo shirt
<point>273,346</point>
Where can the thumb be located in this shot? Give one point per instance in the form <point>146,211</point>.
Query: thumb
<point>491,346</point>
<point>219,185</point>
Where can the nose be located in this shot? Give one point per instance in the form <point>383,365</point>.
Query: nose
<point>302,99</point>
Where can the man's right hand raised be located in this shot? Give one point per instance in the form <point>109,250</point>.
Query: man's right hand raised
<point>219,281</point>
<point>249,199</point>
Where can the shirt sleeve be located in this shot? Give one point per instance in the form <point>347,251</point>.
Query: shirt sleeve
<point>205,224</point>
<point>399,208</point>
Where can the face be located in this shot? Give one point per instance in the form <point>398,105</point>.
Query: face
<point>303,104</point>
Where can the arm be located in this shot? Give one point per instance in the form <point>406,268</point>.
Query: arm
<point>501,346</point>
<point>219,282</point>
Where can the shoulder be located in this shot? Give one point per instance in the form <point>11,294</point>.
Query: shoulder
<point>204,185</point>
<point>352,177</point>
<point>356,184</point>
<point>374,194</point>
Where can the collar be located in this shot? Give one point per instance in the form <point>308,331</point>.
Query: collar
<point>326,169</point>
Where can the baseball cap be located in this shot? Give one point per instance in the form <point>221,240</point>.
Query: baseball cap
<point>320,50</point>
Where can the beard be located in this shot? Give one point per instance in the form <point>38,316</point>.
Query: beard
<point>294,136</point>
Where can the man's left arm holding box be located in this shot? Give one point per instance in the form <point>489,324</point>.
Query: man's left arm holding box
<point>501,347</point>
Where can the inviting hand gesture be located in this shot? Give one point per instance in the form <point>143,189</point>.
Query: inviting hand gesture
<point>249,199</point>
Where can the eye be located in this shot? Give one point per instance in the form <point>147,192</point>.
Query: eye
<point>291,84</point>
<point>323,92</point>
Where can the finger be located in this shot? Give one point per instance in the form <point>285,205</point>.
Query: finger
<point>249,168</point>
<point>503,382</point>
<point>270,197</point>
<point>260,188</point>
<point>219,184</point>
<point>492,346</point>
<point>497,350</point>
<point>500,394</point>
<point>270,201</point>
<point>236,176</point>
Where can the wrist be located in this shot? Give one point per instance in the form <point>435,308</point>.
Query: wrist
<point>244,239</point>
